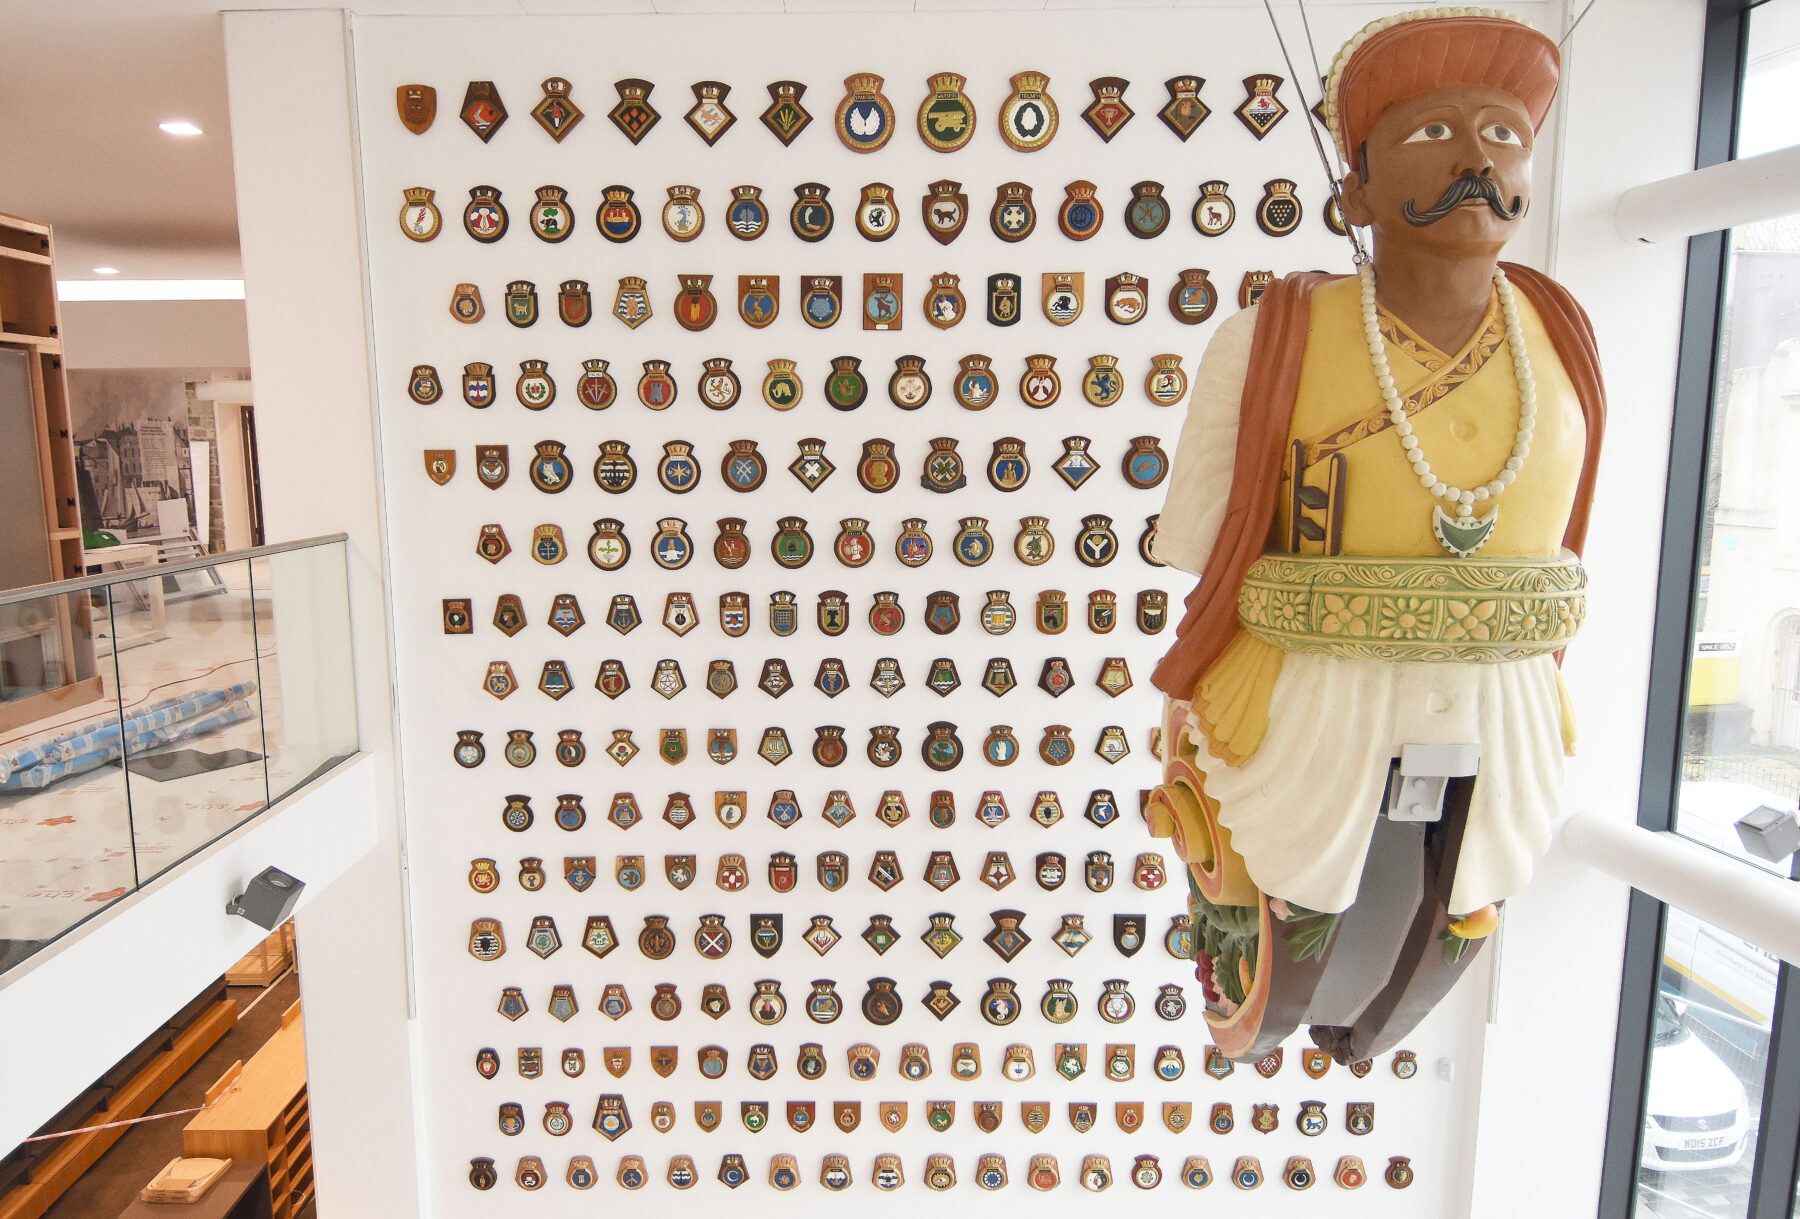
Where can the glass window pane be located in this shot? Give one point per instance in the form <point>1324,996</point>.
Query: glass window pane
<point>1709,1049</point>
<point>1742,746</point>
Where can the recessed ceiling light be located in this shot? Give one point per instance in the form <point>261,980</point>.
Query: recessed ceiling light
<point>180,127</point>
<point>106,270</point>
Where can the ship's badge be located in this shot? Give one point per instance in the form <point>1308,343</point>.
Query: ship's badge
<point>1003,299</point>
<point>1034,544</point>
<point>1108,113</point>
<point>608,549</point>
<point>695,306</point>
<point>656,389</point>
<point>759,299</point>
<point>823,302</point>
<point>1028,115</point>
<point>719,386</point>
<point>1102,385</point>
<point>1184,111</point>
<point>1252,287</point>
<point>420,219</point>
<point>550,470</point>
<point>945,304</point>
<point>1127,298</point>
<point>998,615</point>
<point>811,215</point>
<point>1065,293</point>
<point>1007,467</point>
<point>484,216</point>
<point>774,748</point>
<point>708,116</point>
<point>946,116</point>
<point>1013,216</point>
<point>1261,109</point>
<point>1214,210</point>
<point>574,302</point>
<point>551,219</point>
<point>1007,938</point>
<point>617,217</point>
<point>876,216</point>
<point>786,118</point>
<point>491,544</point>
<point>633,114</point>
<point>482,109</point>
<point>748,216</point>
<point>1279,212</point>
<point>534,388</point>
<point>832,869</point>
<point>945,209</point>
<point>1359,1116</point>
<point>440,467</point>
<point>865,118</point>
<point>1399,1172</point>
<point>882,301</point>
<point>784,619</point>
<point>1080,215</point>
<point>631,304</point>
<point>682,216</point>
<point>1350,1173</point>
<point>418,109</point>
<point>1098,545</point>
<point>521,302</point>
<point>557,112</point>
<point>1193,298</point>
<point>943,470</point>
<point>465,304</point>
<point>1040,386</point>
<point>1145,464</point>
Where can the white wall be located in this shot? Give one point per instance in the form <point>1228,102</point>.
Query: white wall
<point>72,1011</point>
<point>1542,1100</point>
<point>1549,1056</point>
<point>309,351</point>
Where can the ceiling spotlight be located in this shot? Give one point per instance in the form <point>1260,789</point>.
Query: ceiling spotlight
<point>106,270</point>
<point>180,127</point>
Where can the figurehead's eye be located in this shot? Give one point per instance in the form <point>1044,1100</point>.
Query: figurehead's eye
<point>1503,133</point>
<point>1430,133</point>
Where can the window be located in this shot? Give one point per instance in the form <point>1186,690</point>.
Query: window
<point>1705,1120</point>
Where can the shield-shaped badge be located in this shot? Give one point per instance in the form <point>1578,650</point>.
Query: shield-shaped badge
<point>418,107</point>
<point>1080,215</point>
<point>945,209</point>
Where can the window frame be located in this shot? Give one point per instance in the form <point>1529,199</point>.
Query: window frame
<point>1777,1150</point>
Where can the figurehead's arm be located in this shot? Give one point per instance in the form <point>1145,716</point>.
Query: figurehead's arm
<point>1200,480</point>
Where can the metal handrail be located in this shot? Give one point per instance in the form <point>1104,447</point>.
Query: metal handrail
<point>130,575</point>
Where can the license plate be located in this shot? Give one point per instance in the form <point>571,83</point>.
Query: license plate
<point>1704,1144</point>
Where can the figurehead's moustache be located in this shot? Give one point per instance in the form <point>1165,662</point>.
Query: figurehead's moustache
<point>1459,192</point>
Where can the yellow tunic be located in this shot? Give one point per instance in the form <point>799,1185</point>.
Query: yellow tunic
<point>1295,748</point>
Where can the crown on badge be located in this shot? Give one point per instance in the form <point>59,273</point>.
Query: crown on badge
<point>1082,190</point>
<point>596,366</point>
<point>948,82</point>
<point>1263,84</point>
<point>556,86</point>
<point>683,192</point>
<point>877,190</point>
<point>1035,522</point>
<point>1031,82</point>
<point>863,82</point>
<point>946,280</point>
<point>781,366</point>
<point>551,194</point>
<point>419,194</point>
<point>632,283</point>
<point>1040,363</point>
<point>618,194</point>
<point>633,90</point>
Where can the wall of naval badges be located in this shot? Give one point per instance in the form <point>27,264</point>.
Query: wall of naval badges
<point>773,437</point>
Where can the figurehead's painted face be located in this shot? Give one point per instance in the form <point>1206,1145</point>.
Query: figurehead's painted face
<point>1448,170</point>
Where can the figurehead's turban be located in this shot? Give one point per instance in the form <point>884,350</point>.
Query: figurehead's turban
<point>1407,54</point>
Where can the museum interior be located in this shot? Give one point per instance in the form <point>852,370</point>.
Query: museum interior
<point>1330,781</point>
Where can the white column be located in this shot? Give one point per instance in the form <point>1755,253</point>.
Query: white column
<point>293,144</point>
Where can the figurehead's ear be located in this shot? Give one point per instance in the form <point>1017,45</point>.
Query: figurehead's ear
<point>1356,204</point>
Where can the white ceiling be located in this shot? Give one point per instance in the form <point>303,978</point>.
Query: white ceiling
<point>87,81</point>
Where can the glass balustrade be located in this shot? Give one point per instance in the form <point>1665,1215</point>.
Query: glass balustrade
<point>146,712</point>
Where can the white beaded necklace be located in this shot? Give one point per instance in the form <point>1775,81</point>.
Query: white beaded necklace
<point>1464,534</point>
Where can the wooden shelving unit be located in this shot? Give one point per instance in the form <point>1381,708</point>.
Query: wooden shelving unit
<point>261,1117</point>
<point>31,322</point>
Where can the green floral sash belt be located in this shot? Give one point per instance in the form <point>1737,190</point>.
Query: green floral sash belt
<point>1432,609</point>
